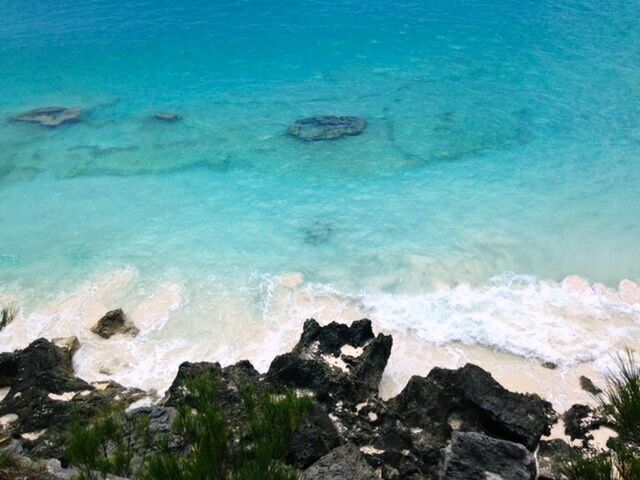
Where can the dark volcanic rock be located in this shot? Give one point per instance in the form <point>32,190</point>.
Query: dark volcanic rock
<point>114,322</point>
<point>335,362</point>
<point>51,116</point>
<point>44,396</point>
<point>316,437</point>
<point>327,127</point>
<point>343,463</point>
<point>550,456</point>
<point>580,420</point>
<point>470,399</point>
<point>474,456</point>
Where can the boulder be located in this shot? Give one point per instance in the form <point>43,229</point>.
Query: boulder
<point>327,127</point>
<point>316,437</point>
<point>470,399</point>
<point>343,463</point>
<point>475,456</point>
<point>51,116</point>
<point>580,421</point>
<point>336,362</point>
<point>114,322</point>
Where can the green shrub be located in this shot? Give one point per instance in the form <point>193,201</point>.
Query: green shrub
<point>115,443</point>
<point>591,467</point>
<point>620,401</point>
<point>621,398</point>
<point>109,444</point>
<point>627,461</point>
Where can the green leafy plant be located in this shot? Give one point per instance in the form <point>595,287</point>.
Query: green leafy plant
<point>620,402</point>
<point>208,446</point>
<point>621,397</point>
<point>7,315</point>
<point>109,444</point>
<point>256,452</point>
<point>592,467</point>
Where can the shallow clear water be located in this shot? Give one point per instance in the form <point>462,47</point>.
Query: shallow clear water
<point>502,155</point>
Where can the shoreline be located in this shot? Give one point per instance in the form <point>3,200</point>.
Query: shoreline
<point>149,360</point>
<point>340,366</point>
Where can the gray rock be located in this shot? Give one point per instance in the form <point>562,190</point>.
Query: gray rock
<point>114,322</point>
<point>51,116</point>
<point>328,127</point>
<point>343,463</point>
<point>475,456</point>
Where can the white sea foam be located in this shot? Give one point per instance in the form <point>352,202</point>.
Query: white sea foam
<point>508,325</point>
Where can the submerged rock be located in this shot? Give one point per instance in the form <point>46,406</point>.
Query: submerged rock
<point>328,127</point>
<point>114,322</point>
<point>342,463</point>
<point>167,117</point>
<point>335,362</point>
<point>474,456</point>
<point>51,116</point>
<point>318,233</point>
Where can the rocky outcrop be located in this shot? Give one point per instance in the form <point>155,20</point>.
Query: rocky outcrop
<point>474,456</point>
<point>451,424</point>
<point>51,116</point>
<point>336,362</point>
<point>470,399</point>
<point>327,127</point>
<point>343,463</point>
<point>44,397</point>
<point>114,322</point>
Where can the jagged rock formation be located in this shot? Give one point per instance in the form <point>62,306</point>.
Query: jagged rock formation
<point>44,396</point>
<point>451,424</point>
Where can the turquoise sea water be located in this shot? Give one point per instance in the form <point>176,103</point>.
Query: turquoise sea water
<point>502,154</point>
